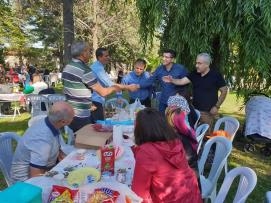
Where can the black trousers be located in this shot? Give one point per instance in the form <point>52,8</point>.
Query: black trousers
<point>145,102</point>
<point>78,123</point>
<point>98,114</point>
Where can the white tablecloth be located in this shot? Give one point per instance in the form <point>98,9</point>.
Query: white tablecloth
<point>12,97</point>
<point>258,116</point>
<point>126,161</point>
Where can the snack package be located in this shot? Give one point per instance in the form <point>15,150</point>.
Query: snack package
<point>62,194</point>
<point>103,195</point>
<point>107,160</point>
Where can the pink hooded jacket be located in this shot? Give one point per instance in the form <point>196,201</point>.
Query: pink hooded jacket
<point>162,174</point>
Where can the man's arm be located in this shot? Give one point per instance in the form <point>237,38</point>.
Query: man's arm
<point>104,91</point>
<point>182,81</point>
<point>222,96</point>
<point>33,172</point>
<point>223,93</point>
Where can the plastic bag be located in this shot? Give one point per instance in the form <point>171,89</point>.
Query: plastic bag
<point>135,107</point>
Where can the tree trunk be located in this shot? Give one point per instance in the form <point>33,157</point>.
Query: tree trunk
<point>95,29</point>
<point>68,26</point>
<point>216,53</point>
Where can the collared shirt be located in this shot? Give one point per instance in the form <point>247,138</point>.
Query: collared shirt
<point>132,78</point>
<point>98,71</point>
<point>77,77</point>
<point>38,147</point>
<point>167,89</point>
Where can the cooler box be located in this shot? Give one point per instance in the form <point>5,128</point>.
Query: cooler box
<point>21,192</point>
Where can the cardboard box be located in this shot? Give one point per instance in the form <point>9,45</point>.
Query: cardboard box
<point>88,138</point>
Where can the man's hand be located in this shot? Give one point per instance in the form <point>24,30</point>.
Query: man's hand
<point>167,79</point>
<point>133,87</point>
<point>61,155</point>
<point>117,87</point>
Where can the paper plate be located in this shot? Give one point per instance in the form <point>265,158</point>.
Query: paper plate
<point>83,176</point>
<point>119,150</point>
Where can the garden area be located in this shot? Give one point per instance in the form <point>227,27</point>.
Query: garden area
<point>232,107</point>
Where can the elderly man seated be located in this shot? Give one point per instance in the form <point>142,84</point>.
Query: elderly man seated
<point>39,148</point>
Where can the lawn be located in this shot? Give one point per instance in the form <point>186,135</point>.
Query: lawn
<point>238,157</point>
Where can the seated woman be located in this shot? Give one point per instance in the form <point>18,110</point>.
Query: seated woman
<point>177,116</point>
<point>162,173</point>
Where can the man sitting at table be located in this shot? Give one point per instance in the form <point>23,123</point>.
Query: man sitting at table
<point>39,148</point>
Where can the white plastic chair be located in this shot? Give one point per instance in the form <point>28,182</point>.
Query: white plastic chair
<point>115,103</point>
<point>52,98</point>
<point>230,125</point>
<point>268,197</point>
<point>35,119</point>
<point>8,140</point>
<point>200,132</point>
<point>36,103</point>
<point>198,117</point>
<point>247,182</point>
<point>223,149</point>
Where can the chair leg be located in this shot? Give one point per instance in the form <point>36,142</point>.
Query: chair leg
<point>226,167</point>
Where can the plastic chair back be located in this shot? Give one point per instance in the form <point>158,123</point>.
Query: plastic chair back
<point>200,132</point>
<point>52,98</point>
<point>223,147</point>
<point>8,142</point>
<point>198,117</point>
<point>268,197</point>
<point>157,99</point>
<point>35,119</point>
<point>231,125</point>
<point>247,182</point>
<point>36,103</point>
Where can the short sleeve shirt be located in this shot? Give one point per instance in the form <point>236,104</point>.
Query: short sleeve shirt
<point>39,148</point>
<point>205,89</point>
<point>77,77</point>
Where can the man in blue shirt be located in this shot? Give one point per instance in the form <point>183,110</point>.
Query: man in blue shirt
<point>138,76</point>
<point>103,78</point>
<point>168,67</point>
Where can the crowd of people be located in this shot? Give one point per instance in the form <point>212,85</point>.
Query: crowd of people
<point>165,142</point>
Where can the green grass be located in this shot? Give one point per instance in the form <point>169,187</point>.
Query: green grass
<point>260,164</point>
<point>255,160</point>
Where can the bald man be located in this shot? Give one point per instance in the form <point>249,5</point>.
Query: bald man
<point>39,148</point>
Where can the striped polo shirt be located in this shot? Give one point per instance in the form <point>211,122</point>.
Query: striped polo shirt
<point>77,77</point>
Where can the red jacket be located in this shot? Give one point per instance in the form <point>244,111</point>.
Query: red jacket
<point>162,174</point>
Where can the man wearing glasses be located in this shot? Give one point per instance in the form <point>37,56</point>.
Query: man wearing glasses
<point>168,67</point>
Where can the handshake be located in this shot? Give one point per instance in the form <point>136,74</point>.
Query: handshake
<point>131,87</point>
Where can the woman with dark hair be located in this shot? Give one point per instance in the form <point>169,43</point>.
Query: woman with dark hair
<point>162,173</point>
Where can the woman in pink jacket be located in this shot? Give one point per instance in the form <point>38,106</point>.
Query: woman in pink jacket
<point>162,173</point>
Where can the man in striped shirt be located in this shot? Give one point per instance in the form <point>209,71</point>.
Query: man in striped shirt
<point>78,81</point>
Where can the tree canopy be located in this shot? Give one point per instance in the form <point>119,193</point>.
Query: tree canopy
<point>236,33</point>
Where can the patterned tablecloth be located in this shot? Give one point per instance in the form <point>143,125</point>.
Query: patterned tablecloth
<point>258,116</point>
<point>126,161</point>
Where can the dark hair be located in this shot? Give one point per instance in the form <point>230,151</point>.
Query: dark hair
<point>151,126</point>
<point>100,51</point>
<point>141,61</point>
<point>171,51</point>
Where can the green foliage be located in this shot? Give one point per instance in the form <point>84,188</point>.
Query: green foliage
<point>236,33</point>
